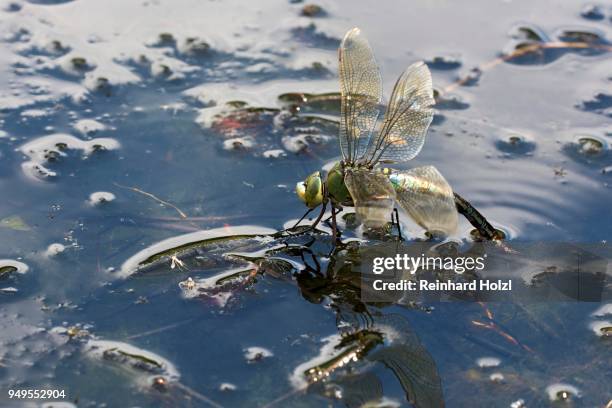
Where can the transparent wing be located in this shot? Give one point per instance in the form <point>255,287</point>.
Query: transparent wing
<point>373,195</point>
<point>416,371</point>
<point>411,363</point>
<point>407,119</point>
<point>427,197</point>
<point>361,94</point>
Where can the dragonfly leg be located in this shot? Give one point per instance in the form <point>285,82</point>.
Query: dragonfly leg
<point>302,219</point>
<point>397,223</point>
<point>319,217</point>
<point>335,231</point>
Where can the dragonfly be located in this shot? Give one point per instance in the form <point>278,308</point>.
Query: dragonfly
<point>360,179</point>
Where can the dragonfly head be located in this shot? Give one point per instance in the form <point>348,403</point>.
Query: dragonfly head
<point>310,191</point>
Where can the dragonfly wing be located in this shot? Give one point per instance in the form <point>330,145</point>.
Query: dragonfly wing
<point>361,94</point>
<point>407,119</point>
<point>427,197</point>
<point>373,195</point>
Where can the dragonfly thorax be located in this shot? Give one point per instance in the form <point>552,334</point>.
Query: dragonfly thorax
<point>336,187</point>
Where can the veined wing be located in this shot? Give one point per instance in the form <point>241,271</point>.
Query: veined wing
<point>373,195</point>
<point>426,196</point>
<point>416,371</point>
<point>407,119</point>
<point>361,94</point>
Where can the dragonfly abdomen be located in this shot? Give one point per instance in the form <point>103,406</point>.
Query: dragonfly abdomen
<point>406,182</point>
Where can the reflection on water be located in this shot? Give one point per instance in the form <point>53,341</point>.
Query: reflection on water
<point>120,130</point>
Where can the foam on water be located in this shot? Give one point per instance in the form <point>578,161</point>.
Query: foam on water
<point>50,148</point>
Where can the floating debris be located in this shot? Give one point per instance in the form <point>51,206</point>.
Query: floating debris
<point>261,130</point>
<point>274,154</point>
<point>9,290</point>
<point>444,62</point>
<point>488,362</point>
<point>587,149</point>
<point>300,142</point>
<point>328,103</point>
<point>15,223</point>
<point>88,127</point>
<point>175,262</point>
<point>497,377</point>
<point>100,198</point>
<point>515,144</point>
<point>603,310</point>
<point>195,47</point>
<point>162,252</point>
<point>51,148</point>
<point>562,392</point>
<point>531,45</point>
<point>98,84</point>
<point>606,331</point>
<point>134,359</point>
<point>8,267</point>
<point>73,332</point>
<point>12,7</point>
<point>582,35</point>
<point>54,250</point>
<point>602,328</point>
<point>471,78</point>
<point>160,383</point>
<point>601,103</point>
<point>591,145</point>
<point>331,356</point>
<point>35,113</point>
<point>592,12</point>
<point>255,354</point>
<point>239,143</point>
<point>75,65</point>
<point>312,10</point>
<point>312,36</point>
<point>219,288</point>
<point>226,387</point>
<point>161,70</point>
<point>165,40</point>
<point>520,403</point>
<point>449,102</point>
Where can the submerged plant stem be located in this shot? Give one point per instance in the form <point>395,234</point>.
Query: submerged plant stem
<point>181,213</point>
<point>197,395</point>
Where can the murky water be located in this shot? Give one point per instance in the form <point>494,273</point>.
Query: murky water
<point>127,123</point>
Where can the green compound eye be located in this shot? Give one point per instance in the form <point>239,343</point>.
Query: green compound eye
<point>300,190</point>
<point>310,191</point>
